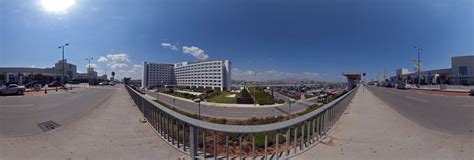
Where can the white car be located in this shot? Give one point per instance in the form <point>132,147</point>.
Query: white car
<point>12,89</point>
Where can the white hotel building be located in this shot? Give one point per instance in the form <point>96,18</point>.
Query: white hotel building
<point>206,74</point>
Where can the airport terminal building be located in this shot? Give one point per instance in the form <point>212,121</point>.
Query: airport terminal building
<point>460,73</point>
<point>207,74</point>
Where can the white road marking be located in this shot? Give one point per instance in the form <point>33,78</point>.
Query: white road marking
<point>416,99</point>
<point>15,105</point>
<point>468,105</point>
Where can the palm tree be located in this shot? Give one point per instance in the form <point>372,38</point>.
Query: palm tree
<point>113,75</point>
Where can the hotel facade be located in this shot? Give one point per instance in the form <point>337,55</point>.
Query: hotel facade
<point>206,74</point>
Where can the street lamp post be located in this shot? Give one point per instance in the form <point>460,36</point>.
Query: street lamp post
<point>198,101</point>
<point>62,77</point>
<point>290,101</point>
<point>88,68</point>
<point>418,49</point>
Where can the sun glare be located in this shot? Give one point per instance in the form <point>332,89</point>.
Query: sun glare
<point>58,6</point>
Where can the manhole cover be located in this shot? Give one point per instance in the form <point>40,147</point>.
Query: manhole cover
<point>48,125</point>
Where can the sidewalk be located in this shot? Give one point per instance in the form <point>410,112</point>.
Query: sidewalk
<point>372,130</point>
<point>448,89</point>
<point>110,131</point>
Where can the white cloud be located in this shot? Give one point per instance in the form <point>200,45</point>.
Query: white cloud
<point>195,52</point>
<point>169,46</point>
<point>91,66</point>
<point>118,58</point>
<point>117,65</point>
<point>103,59</point>
<point>249,75</point>
<point>135,72</point>
<point>310,74</point>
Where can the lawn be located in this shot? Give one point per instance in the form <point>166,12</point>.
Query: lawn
<point>261,97</point>
<point>224,97</point>
<point>309,96</point>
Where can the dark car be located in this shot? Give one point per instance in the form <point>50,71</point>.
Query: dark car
<point>390,85</point>
<point>471,92</point>
<point>54,84</point>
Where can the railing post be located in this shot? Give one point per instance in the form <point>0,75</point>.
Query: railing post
<point>240,147</point>
<point>227,146</point>
<point>265,151</point>
<point>302,135</point>
<point>184,137</point>
<point>295,143</point>
<point>277,144</point>
<point>308,135</point>
<point>192,142</point>
<point>204,143</point>
<point>287,145</point>
<point>215,145</point>
<point>177,133</point>
<point>253,147</point>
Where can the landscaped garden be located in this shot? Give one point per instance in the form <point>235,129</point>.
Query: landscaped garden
<point>260,96</point>
<point>257,95</point>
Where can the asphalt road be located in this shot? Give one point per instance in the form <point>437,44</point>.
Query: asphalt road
<point>451,114</point>
<point>232,112</point>
<point>20,115</point>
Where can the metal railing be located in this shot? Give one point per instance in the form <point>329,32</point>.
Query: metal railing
<point>201,139</point>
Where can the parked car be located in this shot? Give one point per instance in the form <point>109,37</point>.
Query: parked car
<point>471,92</point>
<point>112,83</point>
<point>33,83</point>
<point>54,84</point>
<point>390,85</point>
<point>12,89</point>
<point>7,84</point>
<point>403,86</point>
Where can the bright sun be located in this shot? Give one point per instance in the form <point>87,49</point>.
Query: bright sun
<point>57,5</point>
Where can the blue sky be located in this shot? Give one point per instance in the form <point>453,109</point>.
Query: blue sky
<point>278,39</point>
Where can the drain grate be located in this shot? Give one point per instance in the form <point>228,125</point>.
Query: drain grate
<point>48,125</point>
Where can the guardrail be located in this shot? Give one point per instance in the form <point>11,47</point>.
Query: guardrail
<point>201,139</point>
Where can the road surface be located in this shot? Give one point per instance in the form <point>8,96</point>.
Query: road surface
<point>452,114</point>
<point>111,130</point>
<point>20,115</point>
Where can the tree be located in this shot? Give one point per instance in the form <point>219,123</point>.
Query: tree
<point>113,75</point>
<point>2,77</point>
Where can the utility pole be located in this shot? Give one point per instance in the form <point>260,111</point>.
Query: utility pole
<point>418,64</point>
<point>88,68</point>
<point>255,90</point>
<point>63,63</point>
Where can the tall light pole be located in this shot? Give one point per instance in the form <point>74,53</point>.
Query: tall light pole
<point>418,49</point>
<point>88,68</point>
<point>290,101</point>
<point>62,77</point>
<point>198,101</point>
<point>255,90</point>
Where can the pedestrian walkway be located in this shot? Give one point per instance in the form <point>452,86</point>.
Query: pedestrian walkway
<point>110,131</point>
<point>370,129</point>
